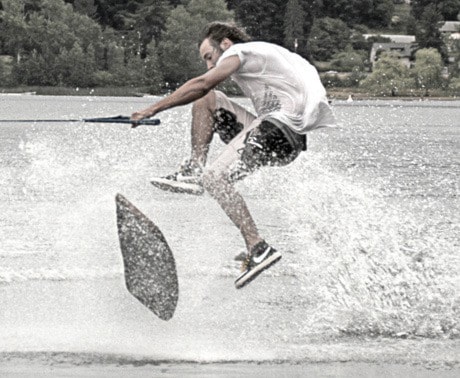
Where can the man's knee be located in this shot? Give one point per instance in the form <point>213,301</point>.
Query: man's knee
<point>207,102</point>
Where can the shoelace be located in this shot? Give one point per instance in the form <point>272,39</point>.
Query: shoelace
<point>245,264</point>
<point>187,169</point>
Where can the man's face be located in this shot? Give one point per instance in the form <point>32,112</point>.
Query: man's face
<point>210,53</point>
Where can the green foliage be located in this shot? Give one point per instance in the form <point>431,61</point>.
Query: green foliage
<point>150,21</point>
<point>427,31</point>
<point>53,44</point>
<point>389,76</point>
<point>448,9</point>
<point>454,85</point>
<point>456,66</point>
<point>5,71</point>
<point>35,70</point>
<point>294,25</point>
<point>153,76</point>
<point>428,69</point>
<point>178,48</point>
<point>262,19</point>
<point>328,37</point>
<point>13,27</point>
<point>349,60</point>
<point>373,13</point>
<point>103,79</point>
<point>76,67</point>
<point>116,61</point>
<point>345,80</point>
<point>147,42</point>
<point>86,7</point>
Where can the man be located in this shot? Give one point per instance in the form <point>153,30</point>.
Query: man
<point>289,99</point>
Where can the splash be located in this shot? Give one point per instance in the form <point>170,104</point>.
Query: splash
<point>377,269</point>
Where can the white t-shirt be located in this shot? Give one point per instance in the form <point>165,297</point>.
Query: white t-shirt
<point>282,85</point>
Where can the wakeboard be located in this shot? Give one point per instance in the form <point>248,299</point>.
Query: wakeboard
<point>149,266</point>
<point>177,186</point>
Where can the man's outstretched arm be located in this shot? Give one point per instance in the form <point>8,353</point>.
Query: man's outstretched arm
<point>193,89</point>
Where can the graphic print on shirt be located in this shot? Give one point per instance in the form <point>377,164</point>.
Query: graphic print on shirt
<point>271,102</point>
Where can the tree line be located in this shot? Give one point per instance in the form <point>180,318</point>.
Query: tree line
<point>153,43</point>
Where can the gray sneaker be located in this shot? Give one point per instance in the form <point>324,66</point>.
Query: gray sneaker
<point>186,180</point>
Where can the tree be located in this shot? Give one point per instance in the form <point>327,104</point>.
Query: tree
<point>35,70</point>
<point>178,48</point>
<point>428,69</point>
<point>5,71</point>
<point>39,31</point>
<point>86,7</point>
<point>389,76</point>
<point>13,27</point>
<point>135,71</point>
<point>328,37</point>
<point>76,67</point>
<point>293,25</point>
<point>448,9</point>
<point>456,65</point>
<point>427,31</point>
<point>153,76</point>
<point>178,53</point>
<point>150,21</point>
<point>262,19</point>
<point>373,13</point>
<point>116,63</point>
<point>348,60</point>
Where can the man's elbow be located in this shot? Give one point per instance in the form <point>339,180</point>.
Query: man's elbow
<point>204,86</point>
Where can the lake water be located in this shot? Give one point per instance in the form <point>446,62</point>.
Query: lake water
<point>367,221</point>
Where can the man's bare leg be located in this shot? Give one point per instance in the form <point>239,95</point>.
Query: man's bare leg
<point>202,127</point>
<point>219,188</point>
<point>234,206</point>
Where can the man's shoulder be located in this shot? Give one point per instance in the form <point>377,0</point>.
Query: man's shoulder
<point>256,44</point>
<point>254,48</point>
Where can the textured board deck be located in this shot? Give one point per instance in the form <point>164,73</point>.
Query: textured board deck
<point>149,266</point>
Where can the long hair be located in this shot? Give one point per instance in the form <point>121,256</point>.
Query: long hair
<point>218,31</point>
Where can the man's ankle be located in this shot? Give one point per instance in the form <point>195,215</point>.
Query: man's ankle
<point>254,243</point>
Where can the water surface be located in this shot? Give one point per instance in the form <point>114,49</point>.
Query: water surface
<point>367,221</point>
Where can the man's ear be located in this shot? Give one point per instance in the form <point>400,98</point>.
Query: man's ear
<point>225,44</point>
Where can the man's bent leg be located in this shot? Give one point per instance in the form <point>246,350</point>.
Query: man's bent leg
<point>202,128</point>
<point>259,144</point>
<point>260,256</point>
<point>218,180</point>
<point>215,113</point>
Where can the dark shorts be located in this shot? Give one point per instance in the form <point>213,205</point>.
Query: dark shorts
<point>251,144</point>
<point>266,145</point>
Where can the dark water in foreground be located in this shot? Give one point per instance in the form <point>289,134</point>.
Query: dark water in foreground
<point>367,220</point>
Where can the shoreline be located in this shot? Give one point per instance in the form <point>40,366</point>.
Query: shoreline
<point>333,93</point>
<point>89,365</point>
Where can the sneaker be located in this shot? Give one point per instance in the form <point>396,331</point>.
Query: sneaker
<point>186,180</point>
<point>187,172</point>
<point>262,257</point>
